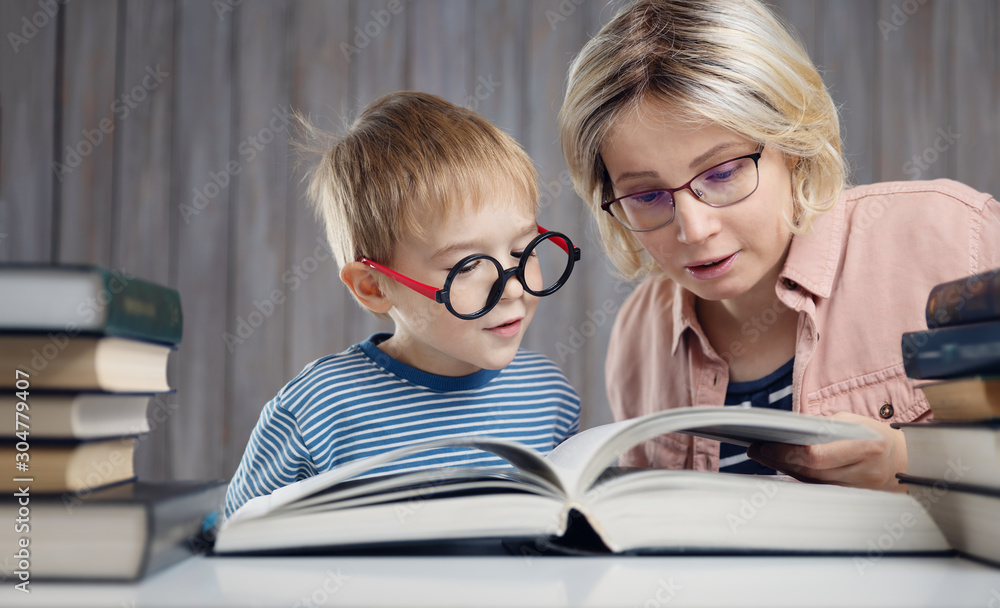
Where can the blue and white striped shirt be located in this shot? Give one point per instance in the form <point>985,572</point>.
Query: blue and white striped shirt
<point>362,402</point>
<point>774,391</point>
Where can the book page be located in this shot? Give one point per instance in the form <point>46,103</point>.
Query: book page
<point>521,457</point>
<point>584,456</point>
<point>572,457</point>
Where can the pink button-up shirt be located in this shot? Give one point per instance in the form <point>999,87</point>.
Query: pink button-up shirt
<point>857,282</point>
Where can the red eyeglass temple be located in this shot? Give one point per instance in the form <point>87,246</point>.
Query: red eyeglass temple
<point>421,288</point>
<point>557,240</point>
<point>427,290</point>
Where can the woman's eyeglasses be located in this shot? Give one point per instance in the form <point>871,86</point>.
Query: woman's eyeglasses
<point>724,184</point>
<point>475,285</point>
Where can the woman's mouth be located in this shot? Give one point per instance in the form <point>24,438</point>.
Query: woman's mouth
<point>711,269</point>
<point>508,329</point>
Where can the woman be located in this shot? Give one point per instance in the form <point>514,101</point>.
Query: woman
<point>703,140</point>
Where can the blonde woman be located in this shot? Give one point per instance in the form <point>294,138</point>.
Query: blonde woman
<point>702,138</point>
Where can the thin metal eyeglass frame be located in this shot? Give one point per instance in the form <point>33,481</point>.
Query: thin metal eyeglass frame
<point>606,206</point>
<point>441,296</point>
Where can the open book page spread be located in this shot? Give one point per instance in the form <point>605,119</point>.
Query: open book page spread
<point>574,465</point>
<point>627,510</point>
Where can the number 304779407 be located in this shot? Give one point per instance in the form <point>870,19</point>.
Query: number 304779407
<point>21,419</point>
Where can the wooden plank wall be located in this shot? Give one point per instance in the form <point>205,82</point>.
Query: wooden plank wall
<point>170,119</point>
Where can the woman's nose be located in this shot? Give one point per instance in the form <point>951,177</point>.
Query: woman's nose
<point>696,221</point>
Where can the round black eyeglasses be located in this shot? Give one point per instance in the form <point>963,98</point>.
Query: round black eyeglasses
<point>476,284</point>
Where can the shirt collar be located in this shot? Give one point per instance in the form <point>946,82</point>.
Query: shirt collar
<point>684,315</point>
<point>411,374</point>
<point>811,263</point>
<point>813,258</point>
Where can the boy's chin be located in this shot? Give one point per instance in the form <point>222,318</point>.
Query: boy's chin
<point>497,362</point>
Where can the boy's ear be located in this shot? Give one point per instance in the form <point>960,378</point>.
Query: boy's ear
<point>362,283</point>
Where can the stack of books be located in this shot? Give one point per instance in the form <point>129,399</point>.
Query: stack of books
<point>954,461</point>
<point>82,351</point>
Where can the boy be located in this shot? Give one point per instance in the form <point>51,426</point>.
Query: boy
<point>430,212</point>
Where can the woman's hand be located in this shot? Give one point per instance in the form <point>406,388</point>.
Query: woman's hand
<point>860,463</point>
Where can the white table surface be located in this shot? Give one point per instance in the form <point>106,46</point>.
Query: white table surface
<point>508,581</point>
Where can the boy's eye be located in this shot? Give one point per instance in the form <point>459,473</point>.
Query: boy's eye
<point>469,267</point>
<point>517,255</point>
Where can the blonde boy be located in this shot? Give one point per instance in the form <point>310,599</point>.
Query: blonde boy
<point>430,212</point>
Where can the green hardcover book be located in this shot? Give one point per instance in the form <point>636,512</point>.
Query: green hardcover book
<point>87,299</point>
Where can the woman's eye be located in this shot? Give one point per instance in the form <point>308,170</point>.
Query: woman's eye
<point>723,172</point>
<point>647,198</point>
<point>517,255</point>
<point>722,175</point>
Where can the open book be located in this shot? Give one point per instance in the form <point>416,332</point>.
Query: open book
<point>623,510</point>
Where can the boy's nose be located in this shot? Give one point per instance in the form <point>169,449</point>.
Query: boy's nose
<point>695,220</point>
<point>513,289</point>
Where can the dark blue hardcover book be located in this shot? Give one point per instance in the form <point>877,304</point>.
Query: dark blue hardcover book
<point>952,352</point>
<point>967,300</point>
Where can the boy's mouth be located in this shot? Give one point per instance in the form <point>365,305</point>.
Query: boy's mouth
<point>506,329</point>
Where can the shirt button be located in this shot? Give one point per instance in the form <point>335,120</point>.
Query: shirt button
<point>790,284</point>
<point>886,411</point>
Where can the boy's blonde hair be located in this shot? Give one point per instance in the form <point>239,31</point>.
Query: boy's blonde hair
<point>727,62</point>
<point>408,160</point>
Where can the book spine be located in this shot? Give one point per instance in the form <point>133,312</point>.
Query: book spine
<point>952,352</point>
<point>143,310</point>
<point>966,300</point>
<point>957,486</point>
<point>174,527</point>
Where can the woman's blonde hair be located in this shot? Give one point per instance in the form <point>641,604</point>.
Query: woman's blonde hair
<point>409,160</point>
<point>727,62</point>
